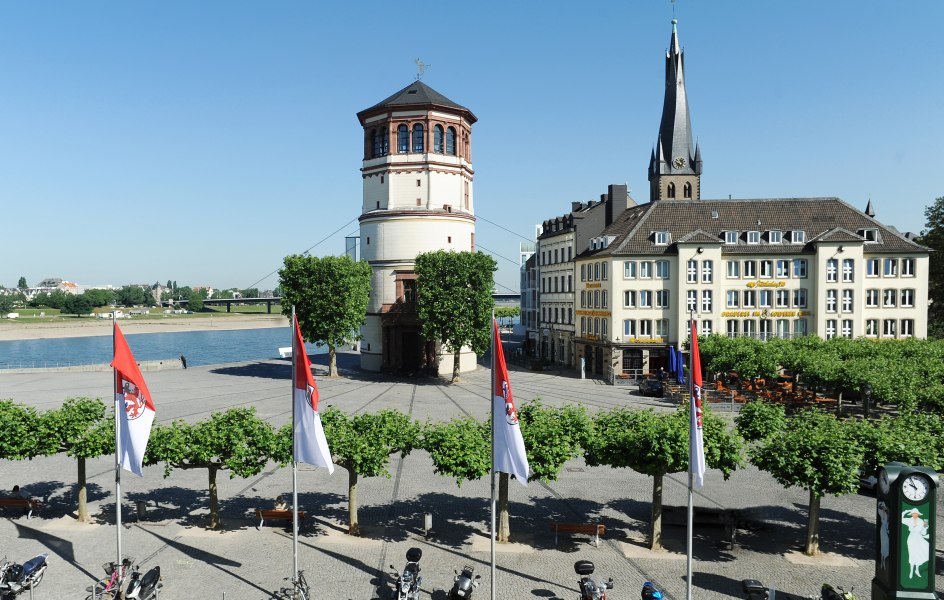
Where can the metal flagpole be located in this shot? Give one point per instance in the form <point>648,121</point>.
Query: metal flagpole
<point>691,468</point>
<point>115,387</point>
<point>491,394</point>
<point>294,464</point>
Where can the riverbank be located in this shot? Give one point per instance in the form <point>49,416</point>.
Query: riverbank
<point>29,329</point>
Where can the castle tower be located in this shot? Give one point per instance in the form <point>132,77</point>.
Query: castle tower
<point>417,174</point>
<point>674,170</point>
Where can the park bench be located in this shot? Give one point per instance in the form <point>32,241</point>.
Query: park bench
<point>30,505</point>
<point>595,529</point>
<point>276,515</point>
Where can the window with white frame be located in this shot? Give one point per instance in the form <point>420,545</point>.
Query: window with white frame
<point>645,327</point>
<point>692,301</point>
<point>629,328</point>
<point>750,268</point>
<point>799,267</point>
<point>871,298</point>
<point>705,327</point>
<point>830,329</point>
<point>662,328</point>
<point>847,328</point>
<point>907,298</point>
<point>871,327</point>
<point>732,326</point>
<point>604,268</point>
<point>629,269</point>
<point>766,298</point>
<point>734,269</point>
<point>662,238</point>
<point>871,267</point>
<point>629,299</point>
<point>907,327</point>
<point>662,298</point>
<point>846,300</point>
<point>907,269</point>
<point>645,269</point>
<point>783,269</point>
<point>891,267</point>
<point>775,236</point>
<point>730,237</point>
<point>783,298</point>
<point>662,269</point>
<point>603,327</point>
<point>645,299</point>
<point>889,298</point>
<point>830,300</point>
<point>767,268</point>
<point>750,328</point>
<point>583,298</point>
<point>733,299</point>
<point>706,270</point>
<point>832,270</point>
<point>848,270</point>
<point>750,298</point>
<point>583,325</point>
<point>596,271</point>
<point>604,300</point>
<point>889,328</point>
<point>691,271</point>
<point>706,301</point>
<point>766,329</point>
<point>800,327</point>
<point>753,237</point>
<point>797,236</point>
<point>799,298</point>
<point>783,328</point>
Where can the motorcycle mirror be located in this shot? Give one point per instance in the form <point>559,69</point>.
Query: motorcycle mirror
<point>457,571</point>
<point>478,576</point>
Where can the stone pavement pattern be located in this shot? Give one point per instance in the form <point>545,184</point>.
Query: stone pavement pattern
<point>244,563</point>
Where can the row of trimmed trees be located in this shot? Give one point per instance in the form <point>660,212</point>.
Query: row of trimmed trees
<point>812,450</point>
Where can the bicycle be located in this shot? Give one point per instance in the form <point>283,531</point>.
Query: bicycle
<point>299,589</point>
<point>109,588</point>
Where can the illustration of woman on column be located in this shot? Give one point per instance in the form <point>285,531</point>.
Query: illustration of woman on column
<point>918,547</point>
<point>883,532</point>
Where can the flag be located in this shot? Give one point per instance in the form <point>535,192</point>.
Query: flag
<point>679,366</point>
<point>131,393</point>
<point>510,455</point>
<point>696,455</point>
<point>309,442</point>
<point>672,360</point>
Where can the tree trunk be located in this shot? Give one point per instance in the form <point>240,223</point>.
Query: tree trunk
<point>812,527</point>
<point>503,529</point>
<point>839,406</point>
<point>655,531</point>
<point>455,364</point>
<point>214,500</point>
<point>353,528</point>
<point>332,361</point>
<point>82,494</point>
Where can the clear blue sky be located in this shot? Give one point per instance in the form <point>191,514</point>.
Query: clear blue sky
<point>203,141</point>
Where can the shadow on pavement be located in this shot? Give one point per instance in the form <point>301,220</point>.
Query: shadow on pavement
<point>58,546</point>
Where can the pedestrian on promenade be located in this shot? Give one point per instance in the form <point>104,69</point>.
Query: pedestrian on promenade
<point>183,361</point>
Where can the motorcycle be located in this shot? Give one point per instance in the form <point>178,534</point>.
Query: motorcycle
<point>649,592</point>
<point>144,588</point>
<point>408,582</point>
<point>16,578</point>
<point>756,590</point>
<point>591,589</point>
<point>464,584</point>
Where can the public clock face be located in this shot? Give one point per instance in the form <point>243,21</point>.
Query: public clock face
<point>915,488</point>
<point>679,162</point>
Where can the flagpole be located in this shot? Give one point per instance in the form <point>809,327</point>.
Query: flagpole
<point>691,461</point>
<point>491,395</point>
<point>115,388</point>
<point>294,463</point>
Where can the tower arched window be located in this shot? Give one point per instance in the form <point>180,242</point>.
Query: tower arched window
<point>451,141</point>
<point>418,141</point>
<point>376,141</point>
<point>403,139</point>
<point>687,190</point>
<point>438,139</point>
<point>384,142</point>
<point>670,191</point>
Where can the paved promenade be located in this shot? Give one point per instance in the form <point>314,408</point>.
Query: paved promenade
<point>242,562</point>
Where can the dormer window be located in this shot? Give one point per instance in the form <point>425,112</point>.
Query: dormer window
<point>798,237</point>
<point>730,237</point>
<point>753,237</point>
<point>661,238</point>
<point>775,236</point>
<point>870,235</point>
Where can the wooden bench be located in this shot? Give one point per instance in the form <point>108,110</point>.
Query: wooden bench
<point>595,529</point>
<point>29,505</point>
<point>276,515</point>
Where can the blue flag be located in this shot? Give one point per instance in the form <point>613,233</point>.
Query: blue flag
<point>680,365</point>
<point>672,360</point>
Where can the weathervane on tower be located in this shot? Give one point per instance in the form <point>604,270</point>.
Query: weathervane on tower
<point>421,67</point>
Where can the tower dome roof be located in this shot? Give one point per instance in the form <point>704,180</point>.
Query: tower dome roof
<point>416,95</point>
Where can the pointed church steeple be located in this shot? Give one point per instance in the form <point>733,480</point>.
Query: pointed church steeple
<point>869,210</point>
<point>677,168</point>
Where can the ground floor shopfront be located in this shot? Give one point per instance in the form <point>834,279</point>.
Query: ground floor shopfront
<point>627,362</point>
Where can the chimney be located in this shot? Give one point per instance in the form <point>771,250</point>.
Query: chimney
<point>617,201</point>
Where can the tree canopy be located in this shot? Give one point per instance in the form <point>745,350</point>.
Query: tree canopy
<point>932,236</point>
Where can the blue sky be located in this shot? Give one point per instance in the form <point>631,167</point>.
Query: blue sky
<point>204,141</point>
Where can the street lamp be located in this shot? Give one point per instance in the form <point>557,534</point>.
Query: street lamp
<point>866,398</point>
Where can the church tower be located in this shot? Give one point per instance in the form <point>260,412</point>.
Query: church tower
<point>674,170</point>
<point>417,174</point>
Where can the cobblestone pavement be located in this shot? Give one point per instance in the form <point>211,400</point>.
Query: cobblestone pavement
<point>241,562</point>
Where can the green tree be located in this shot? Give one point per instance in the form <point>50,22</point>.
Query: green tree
<point>330,296</point>
<point>506,312</point>
<point>235,440</point>
<point>760,420</point>
<point>100,298</point>
<point>82,430</point>
<point>460,448</point>
<point>195,303</point>
<point>816,452</point>
<point>932,236</point>
<point>250,293</point>
<point>77,304</point>
<point>656,444</point>
<point>22,283</point>
<point>133,295</point>
<point>6,303</point>
<point>23,432</point>
<point>361,444</point>
<point>454,300</point>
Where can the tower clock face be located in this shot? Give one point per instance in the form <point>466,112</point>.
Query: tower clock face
<point>679,162</point>
<point>915,488</point>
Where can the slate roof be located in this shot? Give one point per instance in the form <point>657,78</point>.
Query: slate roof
<point>417,94</point>
<point>822,219</point>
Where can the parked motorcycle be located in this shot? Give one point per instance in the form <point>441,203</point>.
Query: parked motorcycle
<point>144,588</point>
<point>16,578</point>
<point>591,589</point>
<point>756,590</point>
<point>464,583</point>
<point>408,582</point>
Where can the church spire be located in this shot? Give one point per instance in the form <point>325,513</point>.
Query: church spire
<point>676,159</point>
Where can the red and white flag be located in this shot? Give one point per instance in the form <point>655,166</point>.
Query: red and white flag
<point>510,456</point>
<point>696,455</point>
<point>131,394</point>
<point>309,442</point>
